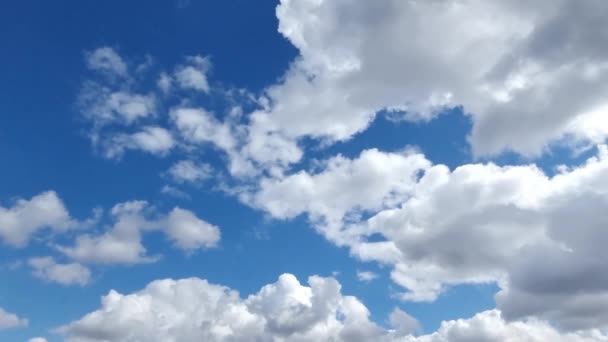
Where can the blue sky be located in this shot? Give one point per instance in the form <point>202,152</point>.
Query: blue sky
<point>343,140</point>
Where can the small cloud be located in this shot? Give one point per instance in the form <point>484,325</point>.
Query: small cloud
<point>366,276</point>
<point>173,191</point>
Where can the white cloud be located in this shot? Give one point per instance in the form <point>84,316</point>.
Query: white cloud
<point>345,187</point>
<point>529,73</point>
<point>366,276</point>
<point>188,171</point>
<point>189,232</point>
<point>151,139</point>
<point>9,320</point>
<point>48,269</point>
<point>25,218</point>
<point>173,191</point>
<point>121,243</point>
<point>538,237</point>
<point>197,125</point>
<point>37,339</point>
<point>165,82</point>
<point>104,106</point>
<point>488,326</point>
<point>105,59</point>
<point>193,74</point>
<point>195,310</point>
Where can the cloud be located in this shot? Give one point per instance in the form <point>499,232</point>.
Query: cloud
<point>9,320</point>
<point>104,106</point>
<point>366,276</point>
<point>164,83</point>
<point>345,187</point>
<point>151,139</point>
<point>528,74</point>
<point>37,339</point>
<point>27,217</point>
<point>121,242</point>
<point>188,171</point>
<point>106,60</point>
<point>193,74</point>
<point>48,269</point>
<point>173,191</point>
<point>489,326</point>
<point>189,232</point>
<point>538,237</point>
<point>195,310</point>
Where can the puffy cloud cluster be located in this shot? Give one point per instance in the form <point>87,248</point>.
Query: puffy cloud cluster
<point>188,171</point>
<point>10,320</point>
<point>345,187</point>
<point>541,238</point>
<point>48,269</point>
<point>117,243</point>
<point>195,310</point>
<point>121,243</point>
<point>529,73</point>
<point>22,220</point>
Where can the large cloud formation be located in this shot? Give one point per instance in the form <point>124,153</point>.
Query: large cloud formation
<point>192,309</point>
<point>540,237</point>
<point>528,72</point>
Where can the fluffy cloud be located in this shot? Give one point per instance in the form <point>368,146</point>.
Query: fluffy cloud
<point>489,326</point>
<point>37,339</point>
<point>539,237</point>
<point>121,243</point>
<point>48,269</point>
<point>104,106</point>
<point>529,73</point>
<point>189,232</point>
<point>345,187</point>
<point>195,310</point>
<point>151,139</point>
<point>105,59</point>
<point>9,320</point>
<point>193,75</point>
<point>25,218</point>
<point>188,171</point>
<point>366,276</point>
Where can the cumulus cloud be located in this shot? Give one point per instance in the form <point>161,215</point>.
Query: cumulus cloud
<point>48,269</point>
<point>366,276</point>
<point>188,171</point>
<point>151,139</point>
<point>103,105</point>
<point>22,220</point>
<point>189,232</point>
<point>37,339</point>
<point>195,310</point>
<point>489,326</point>
<point>343,188</point>
<point>538,236</point>
<point>193,74</point>
<point>528,73</point>
<point>10,320</point>
<point>121,242</point>
<point>106,60</point>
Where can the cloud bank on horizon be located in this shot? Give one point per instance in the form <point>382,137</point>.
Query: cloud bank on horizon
<point>532,78</point>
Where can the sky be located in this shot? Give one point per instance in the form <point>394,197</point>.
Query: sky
<point>303,170</point>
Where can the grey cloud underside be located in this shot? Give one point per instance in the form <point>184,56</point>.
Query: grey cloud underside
<point>540,238</point>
